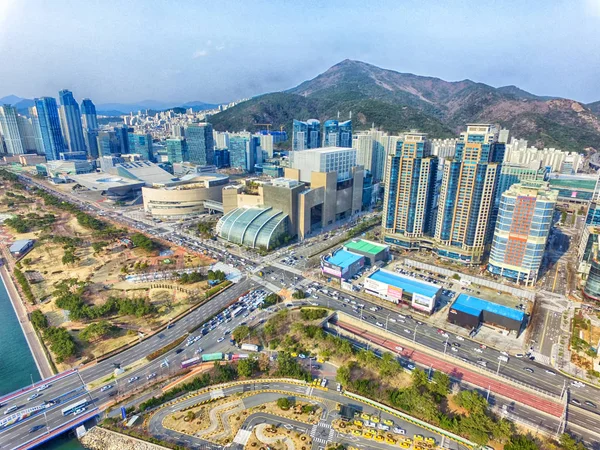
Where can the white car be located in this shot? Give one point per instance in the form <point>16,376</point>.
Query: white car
<point>446,335</point>
<point>460,338</point>
<point>407,331</point>
<point>43,387</point>
<point>338,387</point>
<point>504,353</point>
<point>454,349</point>
<point>478,350</point>
<point>33,397</point>
<point>370,424</point>
<point>577,384</point>
<point>302,356</point>
<point>410,367</point>
<point>399,430</point>
<point>379,324</point>
<point>133,379</point>
<point>221,339</point>
<point>383,426</point>
<point>105,388</point>
<point>152,375</point>
<point>398,348</point>
<point>200,350</point>
<point>79,411</point>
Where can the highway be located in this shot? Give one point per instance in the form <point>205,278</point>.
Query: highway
<point>412,329</point>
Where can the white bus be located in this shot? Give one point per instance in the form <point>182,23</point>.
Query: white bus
<point>75,406</point>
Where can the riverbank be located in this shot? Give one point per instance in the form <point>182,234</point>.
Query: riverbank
<point>98,438</point>
<point>35,346</point>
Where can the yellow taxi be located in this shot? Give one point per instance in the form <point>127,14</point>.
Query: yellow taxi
<point>358,423</point>
<point>365,416</point>
<point>374,419</point>
<point>388,422</point>
<point>418,437</point>
<point>404,444</point>
<point>379,438</point>
<point>356,432</point>
<point>389,440</point>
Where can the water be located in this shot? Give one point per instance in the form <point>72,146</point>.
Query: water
<point>17,366</point>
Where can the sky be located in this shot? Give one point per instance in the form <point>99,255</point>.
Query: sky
<point>220,51</point>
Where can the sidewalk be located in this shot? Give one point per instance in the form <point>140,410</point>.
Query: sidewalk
<point>35,346</point>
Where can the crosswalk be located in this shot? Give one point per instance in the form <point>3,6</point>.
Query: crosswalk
<point>318,439</point>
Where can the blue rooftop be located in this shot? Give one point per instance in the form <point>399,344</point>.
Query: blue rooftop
<point>343,259</point>
<point>407,284</point>
<point>474,306</point>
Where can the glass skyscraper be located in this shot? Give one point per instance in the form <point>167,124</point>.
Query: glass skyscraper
<point>521,232</point>
<point>237,152</point>
<point>337,134</point>
<point>408,200</point>
<point>200,142</point>
<point>70,116</point>
<point>464,221</point>
<point>141,144</point>
<point>9,125</point>
<point>48,122</point>
<point>176,150</point>
<point>90,127</point>
<point>306,135</point>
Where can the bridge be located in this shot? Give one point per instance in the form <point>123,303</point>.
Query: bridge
<point>213,206</point>
<point>41,411</point>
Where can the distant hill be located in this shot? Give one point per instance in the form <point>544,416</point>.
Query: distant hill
<point>115,109</point>
<point>397,101</point>
<point>594,107</point>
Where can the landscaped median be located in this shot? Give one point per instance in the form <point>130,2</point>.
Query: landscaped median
<point>167,348</point>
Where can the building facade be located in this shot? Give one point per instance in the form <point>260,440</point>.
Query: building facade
<point>337,134</point>
<point>306,135</point>
<point>201,147</point>
<point>70,116</point>
<point>522,230</point>
<point>176,150</point>
<point>48,122</point>
<point>409,192</point>
<point>326,159</point>
<point>463,225</point>
<point>9,126</point>
<point>141,144</point>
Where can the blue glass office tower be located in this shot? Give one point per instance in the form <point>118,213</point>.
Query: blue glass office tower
<point>70,116</point>
<point>306,135</point>
<point>222,158</point>
<point>49,127</point>
<point>177,150</point>
<point>237,152</point>
<point>337,134</point>
<point>122,134</point>
<point>108,144</point>
<point>464,224</point>
<point>200,142</point>
<point>89,120</point>
<point>408,199</point>
<point>141,144</point>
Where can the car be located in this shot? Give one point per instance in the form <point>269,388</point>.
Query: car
<point>379,324</point>
<point>133,379</point>
<point>550,372</point>
<point>43,387</point>
<point>150,376</point>
<point>482,346</point>
<point>11,409</point>
<point>577,384</point>
<point>33,396</point>
<point>399,430</point>
<point>388,422</point>
<point>178,351</point>
<point>454,349</point>
<point>302,356</point>
<point>79,411</point>
<point>455,344</point>
<point>504,353</point>
<point>393,320</point>
<point>590,404</point>
<point>410,367</point>
<point>519,355</point>
<point>573,400</point>
<point>478,350</point>
<point>446,335</point>
<point>221,339</point>
<point>107,387</point>
<point>338,387</point>
<point>370,424</point>
<point>460,338</point>
<point>36,428</point>
<point>528,369</point>
<point>383,427</point>
<point>398,348</point>
<point>407,331</point>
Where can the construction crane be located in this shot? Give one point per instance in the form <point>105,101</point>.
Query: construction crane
<point>268,125</point>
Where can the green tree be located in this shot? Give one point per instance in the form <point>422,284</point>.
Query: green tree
<point>98,246</point>
<point>241,333</point>
<point>144,242</point>
<point>343,375</point>
<point>568,442</point>
<point>521,442</point>
<point>246,367</point>
<point>419,378</point>
<point>95,331</point>
<point>39,320</point>
<point>299,294</point>
<point>440,384</point>
<point>270,300</point>
<point>284,403</point>
<point>61,343</point>
<point>472,401</point>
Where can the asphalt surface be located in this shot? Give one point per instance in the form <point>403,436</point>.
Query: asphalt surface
<point>321,433</point>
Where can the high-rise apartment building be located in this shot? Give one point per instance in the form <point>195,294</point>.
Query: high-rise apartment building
<point>201,147</point>
<point>70,116</point>
<point>521,231</point>
<point>35,126</point>
<point>9,125</point>
<point>89,120</point>
<point>306,135</point>
<point>48,121</point>
<point>337,134</point>
<point>464,216</point>
<point>409,192</point>
<point>370,153</point>
<point>27,133</point>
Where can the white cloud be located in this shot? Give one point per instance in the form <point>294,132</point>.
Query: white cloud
<point>220,47</point>
<point>200,53</point>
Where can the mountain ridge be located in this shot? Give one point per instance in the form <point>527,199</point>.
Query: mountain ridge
<point>431,104</point>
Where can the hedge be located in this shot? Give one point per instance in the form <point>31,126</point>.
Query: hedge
<point>161,351</point>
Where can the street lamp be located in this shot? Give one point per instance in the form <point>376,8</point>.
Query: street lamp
<point>446,346</point>
<point>415,335</point>
<point>386,321</point>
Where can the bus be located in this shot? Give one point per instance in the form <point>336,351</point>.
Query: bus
<point>190,362</point>
<point>237,311</point>
<point>75,406</point>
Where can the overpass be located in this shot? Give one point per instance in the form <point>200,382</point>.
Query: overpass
<point>213,206</point>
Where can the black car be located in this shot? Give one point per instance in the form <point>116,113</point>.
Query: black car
<point>590,404</point>
<point>179,350</point>
<point>36,427</point>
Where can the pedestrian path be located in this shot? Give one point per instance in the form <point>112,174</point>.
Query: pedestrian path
<point>242,437</point>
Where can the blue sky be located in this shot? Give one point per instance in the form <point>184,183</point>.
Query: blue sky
<point>217,51</point>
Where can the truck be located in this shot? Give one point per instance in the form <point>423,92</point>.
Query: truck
<point>190,362</point>
<point>249,347</point>
<point>212,357</point>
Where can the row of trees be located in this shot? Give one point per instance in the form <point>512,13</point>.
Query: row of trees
<point>31,221</point>
<point>25,286</point>
<point>144,242</point>
<point>61,342</point>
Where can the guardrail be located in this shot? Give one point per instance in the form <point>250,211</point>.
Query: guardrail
<point>38,384</point>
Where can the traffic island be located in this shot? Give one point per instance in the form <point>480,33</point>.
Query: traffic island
<point>277,438</point>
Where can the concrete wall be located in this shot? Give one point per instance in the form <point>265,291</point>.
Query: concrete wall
<point>230,198</point>
<point>307,201</point>
<point>328,181</point>
<point>173,203</point>
<point>292,174</point>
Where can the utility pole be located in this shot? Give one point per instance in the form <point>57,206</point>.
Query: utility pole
<point>487,397</point>
<point>498,370</point>
<point>445,346</point>
<point>386,321</point>
<point>415,335</point>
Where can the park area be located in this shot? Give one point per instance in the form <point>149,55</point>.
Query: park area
<point>88,283</point>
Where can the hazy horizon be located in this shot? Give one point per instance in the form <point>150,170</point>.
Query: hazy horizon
<point>183,51</point>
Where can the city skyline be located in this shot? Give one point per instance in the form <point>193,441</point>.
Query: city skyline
<point>203,63</point>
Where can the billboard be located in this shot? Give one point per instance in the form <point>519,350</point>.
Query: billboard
<point>383,290</point>
<point>395,293</point>
<point>331,271</point>
<point>346,286</point>
<point>423,302</point>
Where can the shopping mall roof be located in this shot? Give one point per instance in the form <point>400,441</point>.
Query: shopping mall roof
<point>408,284</point>
<point>474,306</point>
<point>343,258</point>
<point>252,226</point>
<point>365,246</point>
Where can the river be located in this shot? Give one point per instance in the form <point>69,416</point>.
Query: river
<point>17,367</point>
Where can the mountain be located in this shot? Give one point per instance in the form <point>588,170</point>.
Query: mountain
<point>398,102</point>
<point>126,108</point>
<point>10,100</point>
<point>594,107</point>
